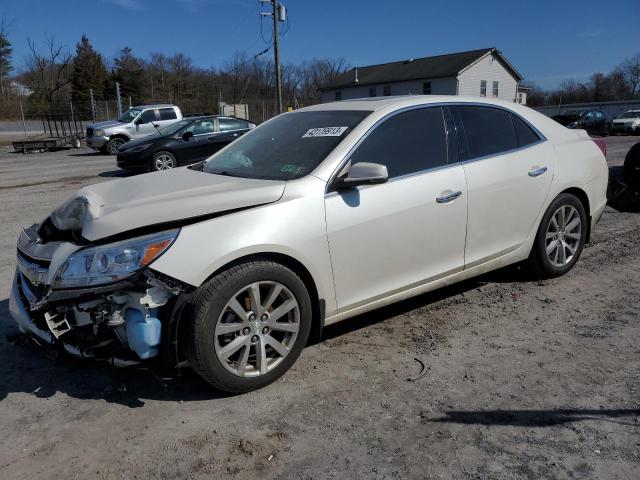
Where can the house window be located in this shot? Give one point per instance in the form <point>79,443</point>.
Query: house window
<point>483,88</point>
<point>372,92</point>
<point>426,88</point>
<point>495,89</point>
<point>387,90</point>
<point>338,96</point>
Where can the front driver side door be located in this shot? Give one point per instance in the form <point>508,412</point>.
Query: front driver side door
<point>394,236</point>
<point>143,125</point>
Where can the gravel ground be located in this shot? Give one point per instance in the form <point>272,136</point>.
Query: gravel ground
<point>524,379</point>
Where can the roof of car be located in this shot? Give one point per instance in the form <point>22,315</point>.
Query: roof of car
<point>376,103</point>
<point>157,105</point>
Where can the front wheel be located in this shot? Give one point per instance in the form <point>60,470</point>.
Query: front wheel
<point>247,326</point>
<point>114,144</point>
<point>560,238</point>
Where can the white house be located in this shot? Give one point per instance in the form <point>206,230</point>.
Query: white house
<point>484,72</point>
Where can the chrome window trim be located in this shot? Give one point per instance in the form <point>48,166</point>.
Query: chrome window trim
<point>347,156</point>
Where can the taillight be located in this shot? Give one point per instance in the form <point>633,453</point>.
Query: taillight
<point>602,145</point>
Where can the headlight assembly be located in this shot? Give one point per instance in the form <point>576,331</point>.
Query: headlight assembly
<point>98,133</point>
<point>112,262</point>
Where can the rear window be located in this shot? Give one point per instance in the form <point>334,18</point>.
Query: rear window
<point>228,124</point>
<point>168,114</point>
<point>526,135</point>
<point>489,131</point>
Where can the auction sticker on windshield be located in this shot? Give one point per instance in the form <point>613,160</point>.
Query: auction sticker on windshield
<point>325,132</point>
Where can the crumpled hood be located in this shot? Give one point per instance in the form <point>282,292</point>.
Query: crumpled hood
<point>118,206</point>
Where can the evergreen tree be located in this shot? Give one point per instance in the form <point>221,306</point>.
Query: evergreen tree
<point>5,60</point>
<point>89,72</point>
<point>129,71</point>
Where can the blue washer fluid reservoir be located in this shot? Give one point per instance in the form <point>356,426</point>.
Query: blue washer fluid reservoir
<point>143,333</point>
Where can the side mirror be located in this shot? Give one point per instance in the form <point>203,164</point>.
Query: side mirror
<point>186,136</point>
<point>362,173</point>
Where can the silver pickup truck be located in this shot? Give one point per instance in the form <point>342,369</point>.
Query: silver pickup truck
<point>136,122</point>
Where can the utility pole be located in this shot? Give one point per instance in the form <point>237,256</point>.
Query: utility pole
<point>118,102</point>
<point>279,14</point>
<point>93,105</point>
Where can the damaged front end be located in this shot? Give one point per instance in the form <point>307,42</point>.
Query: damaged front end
<point>93,301</point>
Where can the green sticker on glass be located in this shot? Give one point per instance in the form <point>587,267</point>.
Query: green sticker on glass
<point>292,169</point>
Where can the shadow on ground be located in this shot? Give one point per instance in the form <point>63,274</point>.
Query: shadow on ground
<point>537,418</point>
<point>32,370</point>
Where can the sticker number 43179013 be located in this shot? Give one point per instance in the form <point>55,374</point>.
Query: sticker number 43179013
<point>325,132</point>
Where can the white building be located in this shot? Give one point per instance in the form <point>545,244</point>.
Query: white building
<point>484,72</point>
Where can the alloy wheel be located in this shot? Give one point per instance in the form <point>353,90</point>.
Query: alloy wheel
<point>114,145</point>
<point>163,162</point>
<point>257,329</point>
<point>563,236</point>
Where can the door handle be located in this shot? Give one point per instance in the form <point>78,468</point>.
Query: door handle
<point>449,197</point>
<point>537,172</point>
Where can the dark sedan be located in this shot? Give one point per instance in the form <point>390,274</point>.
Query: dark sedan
<point>593,121</point>
<point>182,143</point>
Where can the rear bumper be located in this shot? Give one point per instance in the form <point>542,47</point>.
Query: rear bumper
<point>622,128</point>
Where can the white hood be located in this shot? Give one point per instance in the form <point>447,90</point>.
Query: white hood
<point>121,205</point>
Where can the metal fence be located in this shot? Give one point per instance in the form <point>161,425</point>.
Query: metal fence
<point>610,109</point>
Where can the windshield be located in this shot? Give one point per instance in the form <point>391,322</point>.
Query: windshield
<point>129,115</point>
<point>173,128</point>
<point>287,147</point>
<point>635,114</point>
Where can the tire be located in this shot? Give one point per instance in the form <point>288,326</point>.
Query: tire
<point>631,169</point>
<point>548,264</point>
<point>214,331</point>
<point>114,144</point>
<point>163,160</point>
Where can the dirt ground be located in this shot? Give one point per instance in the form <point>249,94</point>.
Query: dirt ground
<point>524,379</point>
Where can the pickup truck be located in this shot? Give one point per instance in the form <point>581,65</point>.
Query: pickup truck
<point>136,122</point>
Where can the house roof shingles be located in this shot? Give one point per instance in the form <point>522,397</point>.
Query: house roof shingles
<point>428,67</point>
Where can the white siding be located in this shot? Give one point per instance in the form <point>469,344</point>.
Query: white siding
<point>489,69</point>
<point>439,86</point>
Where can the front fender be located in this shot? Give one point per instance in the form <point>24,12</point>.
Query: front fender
<point>294,227</point>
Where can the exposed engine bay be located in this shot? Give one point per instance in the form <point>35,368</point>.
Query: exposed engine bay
<point>120,321</point>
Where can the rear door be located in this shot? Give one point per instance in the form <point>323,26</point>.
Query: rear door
<point>166,116</point>
<point>228,130</point>
<point>388,238</point>
<point>509,167</point>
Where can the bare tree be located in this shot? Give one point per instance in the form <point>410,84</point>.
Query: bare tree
<point>631,69</point>
<point>50,71</point>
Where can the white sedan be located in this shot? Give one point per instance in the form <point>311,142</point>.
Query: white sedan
<point>311,218</point>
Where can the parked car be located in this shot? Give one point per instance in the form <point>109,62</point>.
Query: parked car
<point>627,122</point>
<point>593,121</point>
<point>309,219</point>
<point>137,122</point>
<point>182,143</point>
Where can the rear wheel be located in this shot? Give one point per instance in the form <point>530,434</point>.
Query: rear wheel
<point>560,238</point>
<point>247,325</point>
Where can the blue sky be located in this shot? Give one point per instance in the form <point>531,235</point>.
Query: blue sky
<point>547,41</point>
